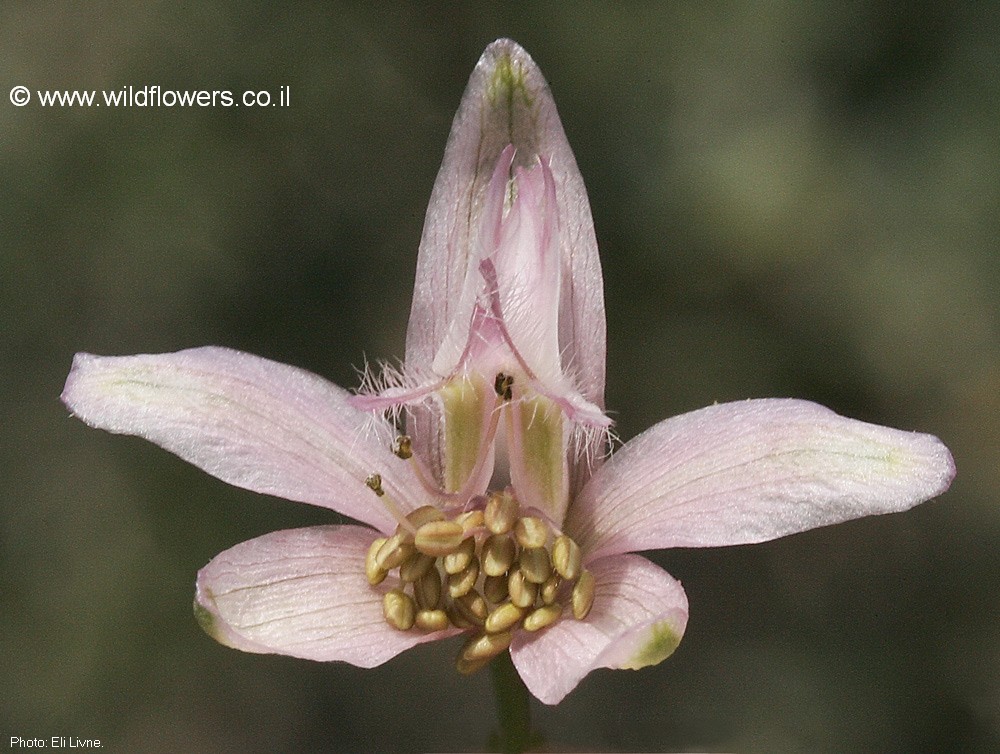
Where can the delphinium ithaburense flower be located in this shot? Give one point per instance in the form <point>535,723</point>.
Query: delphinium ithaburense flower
<point>479,472</point>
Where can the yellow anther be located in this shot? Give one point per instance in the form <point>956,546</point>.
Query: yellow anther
<point>522,592</point>
<point>438,538</point>
<point>498,554</point>
<point>535,564</point>
<point>480,649</point>
<point>566,557</point>
<point>550,589</point>
<point>471,520</point>
<point>458,561</point>
<point>583,595</point>
<point>495,588</point>
<point>462,582</point>
<point>427,590</point>
<point>458,620</point>
<point>531,531</point>
<point>473,607</point>
<point>503,617</point>
<point>398,609</point>
<point>432,620</point>
<point>402,446</point>
<point>501,512</point>
<point>415,566</point>
<point>542,617</point>
<point>395,550</point>
<point>376,575</point>
<point>423,515</point>
<point>521,580</point>
<point>374,482</point>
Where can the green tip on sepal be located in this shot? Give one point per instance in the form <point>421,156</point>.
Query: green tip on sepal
<point>206,619</point>
<point>661,643</point>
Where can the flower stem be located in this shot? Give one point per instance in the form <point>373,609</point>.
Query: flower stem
<point>513,706</point>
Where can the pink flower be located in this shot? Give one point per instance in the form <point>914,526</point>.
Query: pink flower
<point>497,515</point>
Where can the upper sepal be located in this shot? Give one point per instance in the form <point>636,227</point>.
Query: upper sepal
<point>507,104</point>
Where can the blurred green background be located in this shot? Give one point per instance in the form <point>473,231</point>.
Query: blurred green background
<point>792,199</point>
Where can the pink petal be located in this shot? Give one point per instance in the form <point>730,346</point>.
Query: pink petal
<point>303,593</point>
<point>638,618</point>
<point>254,423</point>
<point>463,341</point>
<point>749,472</point>
<point>528,270</point>
<point>507,101</point>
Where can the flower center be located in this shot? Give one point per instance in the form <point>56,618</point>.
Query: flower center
<point>489,570</point>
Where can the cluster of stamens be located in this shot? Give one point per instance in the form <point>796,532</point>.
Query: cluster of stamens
<point>489,570</point>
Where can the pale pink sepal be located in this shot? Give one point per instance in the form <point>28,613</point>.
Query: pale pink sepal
<point>506,102</point>
<point>751,471</point>
<point>254,423</point>
<point>638,618</point>
<point>302,592</point>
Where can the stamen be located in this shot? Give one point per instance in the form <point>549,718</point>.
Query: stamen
<point>479,650</point>
<point>498,554</point>
<point>420,471</point>
<point>374,483</point>
<point>471,520</point>
<point>495,588</point>
<point>498,567</point>
<point>427,590</point>
<point>503,384</point>
<point>439,538</point>
<point>501,512</point>
<point>550,589</point>
<point>424,514</point>
<point>566,557</point>
<point>535,565</point>
<point>457,619</point>
<point>503,617</point>
<point>395,550</point>
<point>376,574</point>
<point>460,584</point>
<point>432,620</point>
<point>522,592</point>
<point>415,567</point>
<point>473,607</point>
<point>458,561</point>
<point>402,446</point>
<point>542,617</point>
<point>583,595</point>
<point>531,531</point>
<point>398,609</point>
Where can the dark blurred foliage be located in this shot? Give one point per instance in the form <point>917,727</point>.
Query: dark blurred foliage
<point>792,199</point>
